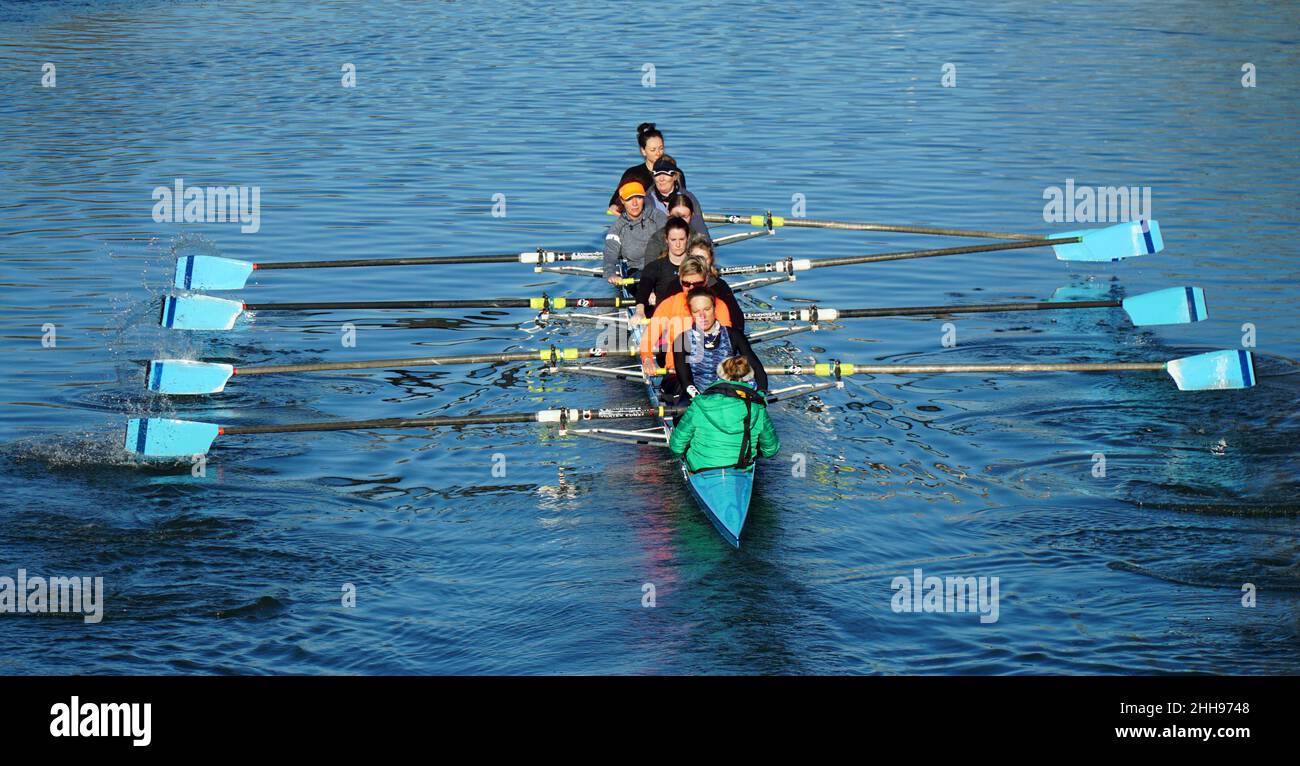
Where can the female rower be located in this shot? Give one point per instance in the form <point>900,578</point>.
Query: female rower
<point>727,426</point>
<point>702,247</point>
<point>651,142</point>
<point>631,232</point>
<point>703,347</point>
<point>679,206</point>
<point>666,186</point>
<point>659,277</point>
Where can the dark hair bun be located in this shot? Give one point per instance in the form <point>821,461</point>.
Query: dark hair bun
<point>645,127</point>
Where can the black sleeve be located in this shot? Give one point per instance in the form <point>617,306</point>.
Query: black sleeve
<point>741,344</point>
<point>723,291</point>
<point>646,285</point>
<point>682,365</point>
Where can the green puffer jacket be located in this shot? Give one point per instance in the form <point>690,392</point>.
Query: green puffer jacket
<point>711,430</point>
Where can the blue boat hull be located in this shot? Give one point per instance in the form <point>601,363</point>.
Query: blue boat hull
<point>724,495</point>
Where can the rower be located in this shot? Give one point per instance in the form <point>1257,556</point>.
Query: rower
<point>665,185</point>
<point>651,142</point>
<point>679,206</point>
<point>727,426</point>
<point>631,232</point>
<point>697,359</point>
<point>702,247</point>
<point>672,316</point>
<point>659,277</point>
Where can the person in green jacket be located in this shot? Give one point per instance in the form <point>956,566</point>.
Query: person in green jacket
<point>726,426</point>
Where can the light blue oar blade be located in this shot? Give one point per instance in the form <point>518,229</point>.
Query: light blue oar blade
<point>1112,243</point>
<point>182,376</point>
<point>1214,370</point>
<point>1173,305</point>
<point>208,272</point>
<point>160,437</point>
<point>200,312</point>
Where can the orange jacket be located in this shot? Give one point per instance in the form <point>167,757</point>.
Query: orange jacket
<point>672,317</point>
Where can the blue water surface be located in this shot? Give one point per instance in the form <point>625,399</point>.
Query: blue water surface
<point>584,557</point>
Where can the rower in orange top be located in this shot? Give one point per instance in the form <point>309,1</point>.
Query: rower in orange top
<point>672,317</point>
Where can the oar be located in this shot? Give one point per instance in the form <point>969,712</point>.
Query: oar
<point>775,221</point>
<point>1210,371</point>
<point>204,312</point>
<point>163,437</point>
<point>209,272</point>
<point>1113,243</point>
<point>1172,305</point>
<point>184,376</point>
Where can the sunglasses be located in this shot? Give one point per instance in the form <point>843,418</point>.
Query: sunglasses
<point>689,285</point>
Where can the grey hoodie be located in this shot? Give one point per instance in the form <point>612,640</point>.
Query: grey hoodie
<point>629,237</point>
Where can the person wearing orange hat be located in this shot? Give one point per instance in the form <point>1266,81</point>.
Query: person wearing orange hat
<point>630,234</point>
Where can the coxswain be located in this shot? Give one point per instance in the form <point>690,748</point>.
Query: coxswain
<point>703,347</point>
<point>651,142</point>
<point>727,426</point>
<point>631,232</point>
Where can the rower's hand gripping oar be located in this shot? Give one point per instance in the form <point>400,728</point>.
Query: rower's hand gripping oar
<point>209,272</point>
<point>164,437</point>
<point>1211,371</point>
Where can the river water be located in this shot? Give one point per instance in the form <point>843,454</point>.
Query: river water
<point>470,129</point>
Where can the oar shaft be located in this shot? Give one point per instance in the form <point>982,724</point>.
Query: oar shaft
<point>893,369</point>
<point>491,303</point>
<point>970,308</point>
<point>423,361</point>
<point>817,263</point>
<point>543,416</point>
<point>349,425</point>
<point>809,223</point>
<point>543,256</point>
